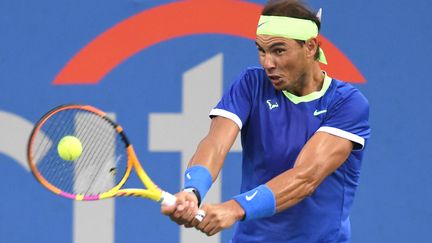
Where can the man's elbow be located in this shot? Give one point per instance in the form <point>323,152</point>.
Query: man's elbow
<point>311,179</point>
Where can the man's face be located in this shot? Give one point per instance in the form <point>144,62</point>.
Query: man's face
<point>284,60</point>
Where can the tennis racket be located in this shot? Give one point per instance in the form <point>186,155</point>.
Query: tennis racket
<point>102,168</point>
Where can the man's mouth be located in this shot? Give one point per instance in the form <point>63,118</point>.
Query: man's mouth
<point>275,79</point>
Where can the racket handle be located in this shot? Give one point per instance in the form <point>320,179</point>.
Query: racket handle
<point>200,215</point>
<point>168,199</point>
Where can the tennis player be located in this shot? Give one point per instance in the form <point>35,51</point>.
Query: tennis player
<point>303,135</point>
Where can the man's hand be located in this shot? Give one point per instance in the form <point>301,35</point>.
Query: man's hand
<point>219,217</point>
<point>185,209</point>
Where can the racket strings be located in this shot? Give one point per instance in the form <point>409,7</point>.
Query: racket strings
<point>52,169</point>
<point>105,154</point>
<point>91,179</point>
<point>82,186</point>
<point>43,142</point>
<point>64,172</point>
<point>97,178</point>
<point>102,163</point>
<point>76,184</point>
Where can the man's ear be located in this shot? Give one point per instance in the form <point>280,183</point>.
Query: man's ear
<point>311,47</point>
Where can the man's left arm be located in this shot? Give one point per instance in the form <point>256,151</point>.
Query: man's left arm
<point>321,156</point>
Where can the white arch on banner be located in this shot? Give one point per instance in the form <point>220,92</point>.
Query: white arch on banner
<point>17,130</point>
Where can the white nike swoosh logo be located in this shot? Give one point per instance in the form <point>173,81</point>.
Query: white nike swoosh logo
<point>188,176</point>
<point>316,112</point>
<point>248,198</point>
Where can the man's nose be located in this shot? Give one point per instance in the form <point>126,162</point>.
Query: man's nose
<point>268,62</point>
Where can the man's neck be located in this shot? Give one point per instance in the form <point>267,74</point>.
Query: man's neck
<point>312,80</point>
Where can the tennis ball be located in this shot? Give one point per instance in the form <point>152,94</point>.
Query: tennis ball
<point>69,148</point>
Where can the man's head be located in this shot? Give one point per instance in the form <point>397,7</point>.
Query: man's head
<point>286,41</point>
<point>293,9</point>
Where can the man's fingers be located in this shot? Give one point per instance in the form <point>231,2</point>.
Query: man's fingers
<point>201,225</point>
<point>184,211</point>
<point>168,210</point>
<point>214,231</point>
<point>199,215</point>
<point>208,228</point>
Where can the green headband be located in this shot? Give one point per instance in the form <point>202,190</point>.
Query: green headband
<point>293,28</point>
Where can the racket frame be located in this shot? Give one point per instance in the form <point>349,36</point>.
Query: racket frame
<point>152,192</point>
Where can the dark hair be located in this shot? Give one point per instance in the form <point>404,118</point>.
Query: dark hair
<point>294,9</point>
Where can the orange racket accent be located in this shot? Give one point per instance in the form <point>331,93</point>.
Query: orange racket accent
<point>91,108</point>
<point>119,129</point>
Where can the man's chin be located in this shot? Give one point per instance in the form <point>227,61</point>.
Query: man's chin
<point>278,87</point>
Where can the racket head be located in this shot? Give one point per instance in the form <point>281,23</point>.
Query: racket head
<point>104,164</point>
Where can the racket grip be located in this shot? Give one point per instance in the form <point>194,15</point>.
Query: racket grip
<point>200,215</point>
<point>168,199</point>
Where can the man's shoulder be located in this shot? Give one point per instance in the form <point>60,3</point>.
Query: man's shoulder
<point>252,77</point>
<point>255,72</point>
<point>255,69</point>
<point>344,92</point>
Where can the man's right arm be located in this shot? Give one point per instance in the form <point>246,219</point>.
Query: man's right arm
<point>212,150</point>
<point>210,153</point>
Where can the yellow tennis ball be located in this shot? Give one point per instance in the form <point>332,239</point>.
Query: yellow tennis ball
<point>69,148</point>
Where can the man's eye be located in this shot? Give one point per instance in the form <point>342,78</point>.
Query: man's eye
<point>279,51</point>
